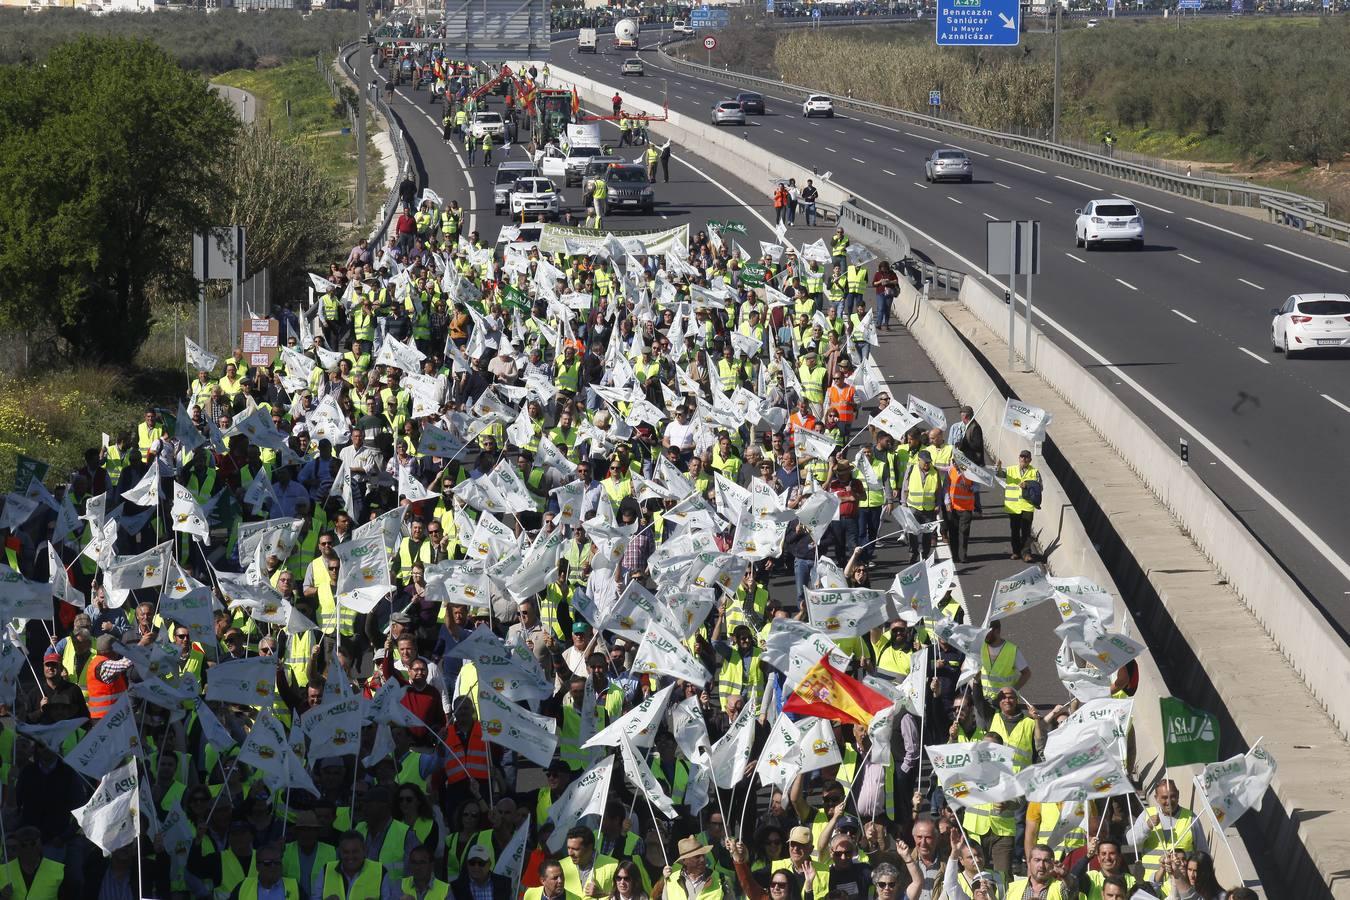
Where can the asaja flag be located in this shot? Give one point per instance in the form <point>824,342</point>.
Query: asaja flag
<point>827,693</point>
<point>1190,735</point>
<point>1236,785</point>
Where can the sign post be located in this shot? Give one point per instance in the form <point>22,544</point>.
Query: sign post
<point>1012,249</point>
<point>710,44</point>
<point>979,23</point>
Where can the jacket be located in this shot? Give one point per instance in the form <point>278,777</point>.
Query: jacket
<point>501,887</point>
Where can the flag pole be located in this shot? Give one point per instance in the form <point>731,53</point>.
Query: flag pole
<point>1218,827</point>
<point>745,804</point>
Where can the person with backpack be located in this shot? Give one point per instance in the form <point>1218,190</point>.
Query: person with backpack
<point>1021,499</point>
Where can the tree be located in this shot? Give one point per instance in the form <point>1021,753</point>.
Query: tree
<point>110,157</point>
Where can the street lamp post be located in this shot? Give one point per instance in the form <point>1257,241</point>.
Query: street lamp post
<point>1054,121</point>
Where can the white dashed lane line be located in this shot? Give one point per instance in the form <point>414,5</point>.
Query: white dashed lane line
<point>1127,284</point>
<point>890,173</point>
<point>1076,258</point>
<point>1045,201</point>
<point>1251,284</point>
<point>856,160</point>
<point>957,202</point>
<point>1189,258</point>
<point>1333,400</point>
<point>989,217</point>
<point>921,185</point>
<point>1256,356</point>
<point>1020,166</point>
<point>1002,185</point>
<point>1091,187</point>
<point>1218,228</point>
<point>1184,316</point>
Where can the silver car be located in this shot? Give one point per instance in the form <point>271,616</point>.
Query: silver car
<point>728,112</point>
<point>949,165</point>
<point>632,66</point>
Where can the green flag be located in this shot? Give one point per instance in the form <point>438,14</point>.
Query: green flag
<point>734,226</point>
<point>26,468</point>
<point>515,298</point>
<point>1190,735</point>
<point>752,275</point>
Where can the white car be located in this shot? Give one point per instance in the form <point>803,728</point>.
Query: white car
<point>1310,322</point>
<point>1112,220</point>
<point>632,66</point>
<point>681,28</point>
<point>489,123</point>
<point>533,197</point>
<point>818,105</point>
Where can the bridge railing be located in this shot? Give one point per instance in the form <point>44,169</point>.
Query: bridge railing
<point>1203,187</point>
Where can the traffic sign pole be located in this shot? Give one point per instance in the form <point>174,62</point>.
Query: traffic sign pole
<point>710,44</point>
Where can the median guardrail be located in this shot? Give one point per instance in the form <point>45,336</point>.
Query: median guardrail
<point>1207,189</point>
<point>1292,217</point>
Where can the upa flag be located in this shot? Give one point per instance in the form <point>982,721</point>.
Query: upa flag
<point>817,512</point>
<point>511,726</point>
<point>641,778</point>
<point>198,358</point>
<point>108,743</point>
<point>1026,589</point>
<point>848,613</point>
<point>24,599</point>
<point>363,579</point>
<point>1190,735</point>
<point>188,515</point>
<point>638,725</point>
<point>1236,785</point>
<point>247,682</point>
<point>662,652</point>
<point>780,761</point>
<point>814,444</point>
<point>827,693</point>
<point>819,749</point>
<point>584,797</point>
<point>111,818</point>
<point>334,728</point>
<point>730,754</point>
<point>928,412</point>
<point>1026,420</point>
<point>975,773</point>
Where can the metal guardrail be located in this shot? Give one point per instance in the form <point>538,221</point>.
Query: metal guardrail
<point>1292,217</point>
<point>1229,193</point>
<point>396,139</point>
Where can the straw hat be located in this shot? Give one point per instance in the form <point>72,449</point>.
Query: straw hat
<point>690,847</point>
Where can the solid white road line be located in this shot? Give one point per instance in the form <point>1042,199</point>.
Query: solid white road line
<point>1076,258</point>
<point>1316,262</point>
<point>1091,187</point>
<point>1251,284</point>
<point>1255,356</point>
<point>1184,316</point>
<point>989,217</point>
<point>1020,166</point>
<point>1331,399</point>
<point>1127,284</point>
<point>1217,228</point>
<point>1191,258</point>
<point>1145,205</point>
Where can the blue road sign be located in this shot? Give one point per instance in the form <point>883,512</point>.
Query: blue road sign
<point>1190,4</point>
<point>815,13</point>
<point>1110,5</point>
<point>989,23</point>
<point>768,5</point>
<point>935,98</point>
<point>709,17</point>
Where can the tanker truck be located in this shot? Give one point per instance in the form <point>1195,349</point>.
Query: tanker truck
<point>626,34</point>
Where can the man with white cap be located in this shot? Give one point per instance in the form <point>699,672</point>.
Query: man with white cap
<point>479,879</point>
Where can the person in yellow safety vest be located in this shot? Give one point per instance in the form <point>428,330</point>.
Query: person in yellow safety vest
<point>813,377</point>
<point>740,675</point>
<point>1165,825</point>
<point>75,657</point>
<point>388,839</point>
<point>568,378</point>
<point>692,877</point>
<point>461,119</point>
<point>1044,820</point>
<point>1020,509</point>
<point>421,882</point>
<point>893,652</point>
<point>29,874</point>
<point>148,432</point>
<point>923,490</point>
<point>653,155</point>
<point>352,876</point>
<point>839,248</point>
<point>486,147</point>
<point>1041,881</point>
<point>857,286</point>
<point>582,857</point>
<point>1019,728</point>
<point>855,763</point>
<point>669,770</point>
<point>321,585</point>
<point>269,878</point>
<point>1110,866</point>
<point>619,485</point>
<point>836,291</point>
<point>1001,663</point>
<point>551,886</point>
<point>599,200</point>
<point>413,548</point>
<point>993,827</point>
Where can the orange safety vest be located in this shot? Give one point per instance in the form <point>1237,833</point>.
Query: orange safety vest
<point>841,401</point>
<point>960,490</point>
<point>102,696</point>
<point>470,762</point>
<point>780,197</point>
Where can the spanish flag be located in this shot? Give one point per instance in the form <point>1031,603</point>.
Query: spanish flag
<point>827,693</point>
<point>576,103</point>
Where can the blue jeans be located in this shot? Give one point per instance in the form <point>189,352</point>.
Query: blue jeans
<point>869,526</point>
<point>883,315</point>
<point>801,573</point>
<point>810,210</point>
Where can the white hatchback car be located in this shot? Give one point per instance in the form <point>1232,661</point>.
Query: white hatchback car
<point>1310,322</point>
<point>534,197</point>
<point>1109,221</point>
<point>818,105</point>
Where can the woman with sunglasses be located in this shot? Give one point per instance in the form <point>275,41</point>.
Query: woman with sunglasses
<point>628,882</point>
<point>468,819</point>
<point>414,810</point>
<point>783,883</point>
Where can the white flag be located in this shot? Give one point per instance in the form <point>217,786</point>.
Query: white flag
<point>930,413</point>
<point>1083,682</point>
<point>1076,595</point>
<point>813,444</point>
<point>24,599</point>
<point>363,579</point>
<point>334,728</point>
<point>188,515</point>
<point>214,732</point>
<point>110,741</point>
<point>513,727</point>
<point>268,750</point>
<point>198,358</point>
<point>586,796</point>
<point>638,724</point>
<point>819,749</point>
<point>186,601</point>
<point>1086,770</point>
<point>1236,785</point>
<point>848,613</point>
<point>1105,718</point>
<point>780,761</point>
<point>642,779</point>
<point>146,491</point>
<point>511,861</point>
<point>817,512</point>
<point>386,707</point>
<point>661,651</point>
<point>111,818</point>
<point>1022,591</point>
<point>51,736</point>
<point>975,772</point>
<point>1026,420</point>
<point>246,682</point>
<point>731,753</point>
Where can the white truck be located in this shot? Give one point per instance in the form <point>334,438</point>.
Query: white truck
<point>586,40</point>
<point>626,34</point>
<point>569,159</point>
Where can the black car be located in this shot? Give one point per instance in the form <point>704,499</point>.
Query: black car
<point>751,103</point>
<point>628,189</point>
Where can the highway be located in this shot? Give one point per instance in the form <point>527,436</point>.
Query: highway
<point>1180,331</point>
<point>700,190</point>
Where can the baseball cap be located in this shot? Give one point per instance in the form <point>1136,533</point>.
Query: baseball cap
<point>580,627</point>
<point>51,656</point>
<point>478,851</point>
<point>800,835</point>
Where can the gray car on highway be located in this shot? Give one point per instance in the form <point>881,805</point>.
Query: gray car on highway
<point>728,112</point>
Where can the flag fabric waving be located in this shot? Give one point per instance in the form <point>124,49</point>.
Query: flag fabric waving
<point>827,693</point>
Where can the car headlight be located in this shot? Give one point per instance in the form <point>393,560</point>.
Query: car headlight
<point>646,192</point>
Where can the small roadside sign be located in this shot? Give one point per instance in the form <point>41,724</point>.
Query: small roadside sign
<point>710,43</point>
<point>935,98</point>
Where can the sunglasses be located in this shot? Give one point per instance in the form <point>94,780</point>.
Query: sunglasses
<point>780,885</point>
<point>181,637</point>
<point>622,878</point>
<point>885,885</point>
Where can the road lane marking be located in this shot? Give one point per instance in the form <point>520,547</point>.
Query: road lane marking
<point>831,149</point>
<point>889,172</point>
<point>779,130</point>
<point>898,149</point>
<point>1251,284</point>
<point>1145,205</point>
<point>957,202</point>
<point>1127,284</point>
<point>1002,185</point>
<point>869,140</point>
<point>1217,228</point>
<point>924,186</point>
<point>1256,356</point>
<point>965,150</point>
<point>1045,201</point>
<point>1184,316</point>
<point>856,160</point>
<point>840,131</point>
<point>1020,166</point>
<point>1091,187</point>
<point>1191,258</point>
<point>989,217</point>
<point>1331,399</point>
<point>1317,262</point>
<point>1075,258</point>
<point>803,140</point>
<point>922,138</point>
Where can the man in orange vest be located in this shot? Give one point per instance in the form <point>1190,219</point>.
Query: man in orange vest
<point>961,494</point>
<point>107,677</point>
<point>839,397</point>
<point>467,762</point>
